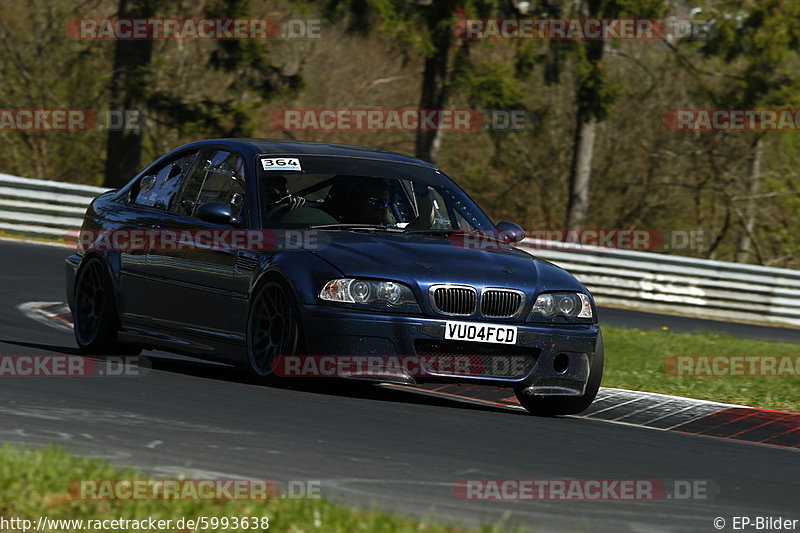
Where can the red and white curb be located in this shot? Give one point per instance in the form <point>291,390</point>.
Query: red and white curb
<point>655,411</point>
<point>619,406</point>
<point>53,314</point>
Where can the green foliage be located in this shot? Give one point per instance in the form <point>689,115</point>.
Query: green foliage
<point>528,55</point>
<point>595,94</point>
<point>491,86</point>
<point>760,40</point>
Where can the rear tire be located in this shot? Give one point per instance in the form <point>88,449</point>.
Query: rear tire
<point>567,405</point>
<point>95,317</point>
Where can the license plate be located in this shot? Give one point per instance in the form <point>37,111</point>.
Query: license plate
<point>472,332</point>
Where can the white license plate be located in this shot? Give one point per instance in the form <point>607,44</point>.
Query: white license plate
<point>472,332</point>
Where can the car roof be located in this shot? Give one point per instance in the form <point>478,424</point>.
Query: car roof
<point>290,147</point>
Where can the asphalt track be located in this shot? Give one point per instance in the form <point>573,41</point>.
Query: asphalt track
<point>370,445</point>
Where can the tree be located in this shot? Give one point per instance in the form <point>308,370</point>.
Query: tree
<point>438,19</point>
<point>594,94</point>
<point>760,40</point>
<point>129,85</point>
<point>429,28</point>
<point>243,68</point>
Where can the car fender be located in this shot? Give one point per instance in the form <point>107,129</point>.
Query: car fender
<point>303,272</point>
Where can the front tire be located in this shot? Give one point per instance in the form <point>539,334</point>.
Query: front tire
<point>95,317</point>
<point>273,328</point>
<point>568,405</point>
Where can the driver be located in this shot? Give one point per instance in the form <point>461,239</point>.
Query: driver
<point>277,199</point>
<point>370,203</point>
<point>276,191</point>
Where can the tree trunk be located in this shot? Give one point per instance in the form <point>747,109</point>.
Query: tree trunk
<point>589,109</point>
<point>580,174</point>
<point>746,239</point>
<point>434,77</point>
<point>128,86</point>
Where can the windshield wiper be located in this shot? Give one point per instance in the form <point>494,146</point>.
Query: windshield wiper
<point>434,232</point>
<point>443,232</point>
<point>357,227</point>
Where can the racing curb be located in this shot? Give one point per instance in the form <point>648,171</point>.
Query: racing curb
<point>619,406</point>
<point>655,411</point>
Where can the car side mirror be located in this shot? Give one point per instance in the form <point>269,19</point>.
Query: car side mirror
<point>216,213</point>
<point>509,232</point>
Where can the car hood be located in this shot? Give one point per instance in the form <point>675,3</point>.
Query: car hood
<point>424,260</point>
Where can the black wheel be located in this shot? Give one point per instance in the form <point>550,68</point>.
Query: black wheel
<point>95,314</point>
<point>567,405</point>
<point>273,327</point>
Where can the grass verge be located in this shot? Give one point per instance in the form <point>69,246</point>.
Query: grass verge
<point>32,237</point>
<point>635,360</point>
<point>36,484</point>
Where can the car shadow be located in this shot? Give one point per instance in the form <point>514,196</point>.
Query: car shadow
<point>67,350</point>
<point>324,386</point>
<point>364,390</point>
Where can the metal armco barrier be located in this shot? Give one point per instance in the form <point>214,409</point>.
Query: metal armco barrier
<point>43,208</point>
<point>672,283</point>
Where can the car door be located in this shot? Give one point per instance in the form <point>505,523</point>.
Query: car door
<point>149,200</point>
<point>201,292</point>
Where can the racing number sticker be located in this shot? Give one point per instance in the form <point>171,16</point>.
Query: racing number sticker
<point>281,163</point>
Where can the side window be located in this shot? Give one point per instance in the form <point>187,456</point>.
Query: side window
<point>158,189</point>
<point>218,177</point>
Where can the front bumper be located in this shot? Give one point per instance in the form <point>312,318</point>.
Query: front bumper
<point>546,359</point>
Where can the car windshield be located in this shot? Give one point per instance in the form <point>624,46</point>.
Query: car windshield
<point>346,193</point>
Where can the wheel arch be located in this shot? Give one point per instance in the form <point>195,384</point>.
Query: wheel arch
<point>279,276</point>
<point>273,274</point>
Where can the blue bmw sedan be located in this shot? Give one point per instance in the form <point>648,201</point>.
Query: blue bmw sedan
<point>308,259</point>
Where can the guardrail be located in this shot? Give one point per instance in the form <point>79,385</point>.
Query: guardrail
<point>686,285</point>
<point>640,280</point>
<point>43,208</point>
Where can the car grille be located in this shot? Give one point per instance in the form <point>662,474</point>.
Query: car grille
<point>498,303</point>
<point>461,300</point>
<point>455,300</point>
<point>456,358</point>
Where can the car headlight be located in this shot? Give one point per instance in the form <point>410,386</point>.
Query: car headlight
<point>568,304</point>
<point>363,291</point>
